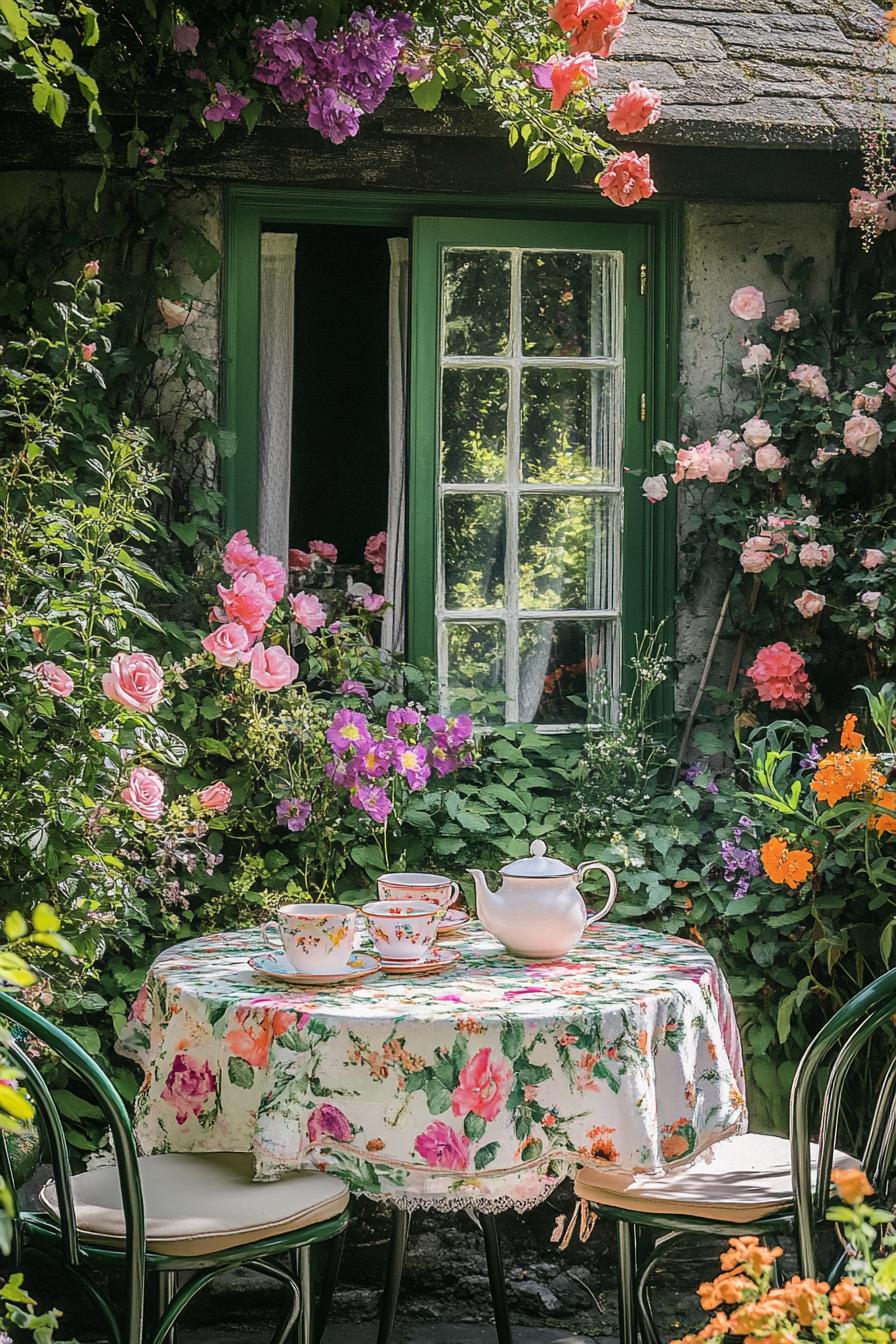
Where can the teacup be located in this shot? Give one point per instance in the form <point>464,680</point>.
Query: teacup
<point>429,887</point>
<point>315,939</point>
<point>403,930</point>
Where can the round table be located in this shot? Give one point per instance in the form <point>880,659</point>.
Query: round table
<point>478,1087</point>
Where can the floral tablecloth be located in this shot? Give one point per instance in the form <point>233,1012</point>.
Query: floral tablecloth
<point>480,1086</point>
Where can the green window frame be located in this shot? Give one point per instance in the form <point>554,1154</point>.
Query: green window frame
<point>648,237</point>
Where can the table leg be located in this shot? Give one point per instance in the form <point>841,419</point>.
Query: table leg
<point>495,1265</point>
<point>300,1268</point>
<point>167,1287</point>
<point>401,1221</point>
<point>626,1269</point>
<point>328,1285</point>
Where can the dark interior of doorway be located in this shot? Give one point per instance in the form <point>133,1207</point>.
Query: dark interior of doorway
<point>340,448</point>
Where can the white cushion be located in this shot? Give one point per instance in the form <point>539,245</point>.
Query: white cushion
<point>738,1180</point>
<point>199,1203</point>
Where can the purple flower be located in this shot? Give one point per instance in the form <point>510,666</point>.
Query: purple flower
<point>335,118</point>
<point>188,1087</point>
<point>195,73</point>
<point>334,628</point>
<point>186,36</point>
<point>811,759</point>
<point>740,863</point>
<point>397,719</point>
<point>443,761</point>
<point>693,773</point>
<point>226,104</point>
<point>373,602</point>
<point>328,1122</point>
<point>411,762</point>
<point>343,773</point>
<point>377,759</point>
<point>349,687</point>
<point>349,731</point>
<point>460,730</point>
<point>294,813</point>
<point>373,800</point>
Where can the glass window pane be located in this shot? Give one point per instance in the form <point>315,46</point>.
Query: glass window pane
<point>569,304</point>
<point>567,667</point>
<point>476,669</point>
<point>476,287</point>
<point>473,531</point>
<point>568,552</point>
<point>474,425</point>
<point>570,426</point>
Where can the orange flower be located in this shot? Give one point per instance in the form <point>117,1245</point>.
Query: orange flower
<point>849,1299</point>
<point>882,823</point>
<point>852,1184</point>
<point>806,1298</point>
<point>754,1317</point>
<point>842,774</point>
<point>749,1252</point>
<point>784,865</point>
<point>676,1145</point>
<point>727,1289</point>
<point>849,738</point>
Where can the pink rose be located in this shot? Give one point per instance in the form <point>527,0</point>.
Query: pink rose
<point>375,552</point>
<point>789,320</point>
<point>756,432</point>
<point>870,400</point>
<point>871,558</point>
<point>808,603</point>
<point>145,792</point>
<point>634,110</point>
<point>809,378</point>
<point>739,452</point>
<point>565,75</point>
<point>176,314</point>
<point>655,488</point>
<point>134,680</point>
<point>186,36</point>
<point>91,270</point>
<point>189,1087</point>
<point>227,644</point>
<point>756,554</point>
<point>272,669</point>
<point>298,561</point>
<point>768,458</point>
<point>779,674</point>
<point>872,210</point>
<point>691,463</point>
<point>441,1146</point>
<point>325,549</point>
<point>861,435</point>
<point>756,358</point>
<point>748,303</point>
<point>813,556</point>
<point>272,574</point>
<point>307,611</point>
<point>871,600</point>
<point>247,602</point>
<point>215,797</point>
<point>626,179</point>
<point>88,350</point>
<point>719,465</point>
<point>54,679</point>
<point>328,1122</point>
<point>373,601</point>
<point>483,1086</point>
<point>239,554</point>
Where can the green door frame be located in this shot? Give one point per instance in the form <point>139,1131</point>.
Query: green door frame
<point>251,210</point>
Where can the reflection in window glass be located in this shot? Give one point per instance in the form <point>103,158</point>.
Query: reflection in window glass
<point>474,544</point>
<point>474,425</point>
<point>568,304</point>
<point>570,430</point>
<point>476,662</point>
<point>567,547</point>
<point>476,293</point>
<point>565,667</point>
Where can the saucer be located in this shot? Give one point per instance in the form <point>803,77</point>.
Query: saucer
<point>276,967</point>
<point>453,921</point>
<point>439,959</point>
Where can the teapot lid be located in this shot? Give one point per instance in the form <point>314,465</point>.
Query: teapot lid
<point>539,865</point>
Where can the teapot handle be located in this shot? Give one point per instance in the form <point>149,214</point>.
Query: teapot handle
<point>584,868</point>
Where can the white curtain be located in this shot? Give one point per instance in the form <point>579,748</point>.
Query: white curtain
<point>394,577</point>
<point>277,324</point>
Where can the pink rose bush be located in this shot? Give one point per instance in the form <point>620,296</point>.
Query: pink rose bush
<point>271,669</point>
<point>809,378</point>
<point>145,793</point>
<point>53,678</point>
<point>809,604</point>
<point>135,681</point>
<point>748,303</point>
<point>375,552</point>
<point>861,435</point>
<point>634,110</point>
<point>626,179</point>
<point>215,797</point>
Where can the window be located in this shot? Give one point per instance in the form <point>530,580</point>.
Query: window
<point>528,419</point>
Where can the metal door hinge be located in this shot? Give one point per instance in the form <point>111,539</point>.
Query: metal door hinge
<point>643,410</point>
<point>642,278</point>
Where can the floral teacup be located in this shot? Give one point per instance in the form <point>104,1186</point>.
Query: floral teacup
<point>418,887</point>
<point>403,930</point>
<point>315,939</point>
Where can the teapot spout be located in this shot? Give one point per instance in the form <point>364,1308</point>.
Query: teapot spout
<point>483,894</point>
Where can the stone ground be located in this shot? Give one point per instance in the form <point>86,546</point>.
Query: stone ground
<point>555,1297</point>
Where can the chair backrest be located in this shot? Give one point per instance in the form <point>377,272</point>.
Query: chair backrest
<point>104,1095</point>
<point>837,1047</point>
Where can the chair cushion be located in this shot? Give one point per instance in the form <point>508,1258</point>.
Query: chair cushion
<point>738,1180</point>
<point>199,1203</point>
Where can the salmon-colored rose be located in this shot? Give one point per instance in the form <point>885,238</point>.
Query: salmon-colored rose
<point>228,643</point>
<point>272,669</point>
<point>134,680</point>
<point>54,679</point>
<point>215,797</point>
<point>483,1086</point>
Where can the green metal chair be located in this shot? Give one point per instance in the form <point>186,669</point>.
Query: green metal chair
<point>157,1220</point>
<point>756,1183</point>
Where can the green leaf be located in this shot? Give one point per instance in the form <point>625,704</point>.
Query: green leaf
<point>512,1038</point>
<point>474,1126</point>
<point>485,1155</point>
<point>201,256</point>
<point>14,19</point>
<point>438,1098</point>
<point>239,1072</point>
<point>428,93</point>
<point>91,27</point>
<point>87,1037</point>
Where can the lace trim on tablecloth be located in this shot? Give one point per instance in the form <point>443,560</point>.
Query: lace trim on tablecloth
<point>458,1202</point>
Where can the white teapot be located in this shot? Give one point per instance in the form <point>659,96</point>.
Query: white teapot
<point>538,912</point>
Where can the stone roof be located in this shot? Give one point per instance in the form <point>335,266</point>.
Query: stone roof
<point>756,72</point>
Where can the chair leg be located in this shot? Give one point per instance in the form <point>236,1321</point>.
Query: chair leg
<point>300,1267</point>
<point>626,1270</point>
<point>401,1221</point>
<point>167,1287</point>
<point>496,1277</point>
<point>328,1285</point>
